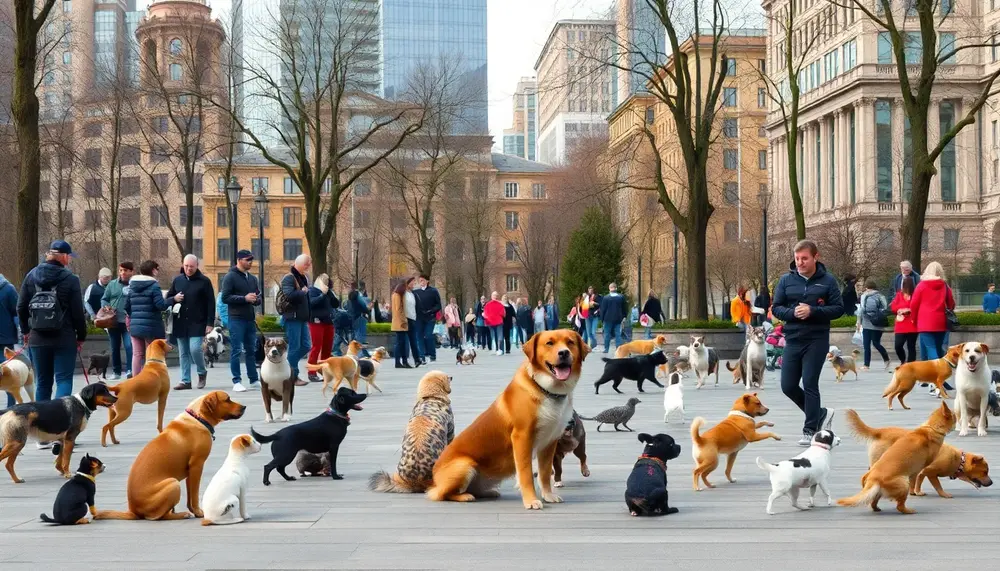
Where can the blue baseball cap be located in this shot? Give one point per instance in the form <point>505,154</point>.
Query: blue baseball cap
<point>61,247</point>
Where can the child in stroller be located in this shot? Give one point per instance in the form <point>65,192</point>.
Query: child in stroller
<point>775,347</point>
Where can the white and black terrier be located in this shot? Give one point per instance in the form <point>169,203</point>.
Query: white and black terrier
<point>810,469</point>
<point>646,489</point>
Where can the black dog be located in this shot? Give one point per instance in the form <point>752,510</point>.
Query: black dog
<point>76,497</point>
<point>646,489</point>
<point>321,434</point>
<point>99,364</point>
<point>639,369</point>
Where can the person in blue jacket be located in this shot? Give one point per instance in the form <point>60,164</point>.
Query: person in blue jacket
<point>8,321</point>
<point>145,306</point>
<point>991,301</point>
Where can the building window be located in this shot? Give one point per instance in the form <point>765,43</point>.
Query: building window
<point>925,241</point>
<point>93,219</point>
<point>67,6</point>
<point>362,218</point>
<point>538,190</point>
<point>762,132</point>
<point>730,159</point>
<point>92,158</point>
<point>511,253</point>
<point>197,248</point>
<point>512,282</point>
<point>160,182</point>
<point>183,216</point>
<point>92,186</point>
<point>730,67</point>
<point>946,116</point>
<point>947,43</point>
<point>883,150</point>
<point>176,73</point>
<point>511,219</point>
<point>258,184</point>
<point>849,53</point>
<point>129,186</point>
<point>223,251</point>
<point>853,173</point>
<point>762,66</point>
<point>510,190</point>
<point>650,114</point>
<point>160,124</point>
<point>159,248</point>
<point>130,156</point>
<point>222,217</point>
<point>762,160</point>
<point>732,231</point>
<point>175,47</point>
<point>128,218</point>
<point>93,130</point>
<point>731,193</point>
<point>290,186</point>
<point>158,216</point>
<point>884,47</point>
<point>362,188</point>
<point>291,217</point>
<point>729,96</point>
<point>255,220</point>
<point>951,239</point>
<point>761,98</point>
<point>291,248</point>
<point>913,47</point>
<point>256,251</point>
<point>220,183</point>
<point>730,128</point>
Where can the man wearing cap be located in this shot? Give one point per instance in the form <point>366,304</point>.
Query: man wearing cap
<point>95,291</point>
<point>241,293</point>
<point>53,350</point>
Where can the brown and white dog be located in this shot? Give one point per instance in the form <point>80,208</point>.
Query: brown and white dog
<point>704,360</point>
<point>368,368</point>
<point>527,419</point>
<point>152,384</point>
<point>339,369</point>
<point>276,380</point>
<point>641,347</point>
<point>15,374</point>
<point>972,388</point>
<point>841,365</point>
<point>728,437</point>
<point>936,372</point>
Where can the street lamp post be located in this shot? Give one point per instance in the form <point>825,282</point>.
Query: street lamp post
<point>233,190</point>
<point>260,204</point>
<point>764,200</point>
<point>357,277</point>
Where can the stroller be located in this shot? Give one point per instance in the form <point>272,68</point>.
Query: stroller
<point>775,347</point>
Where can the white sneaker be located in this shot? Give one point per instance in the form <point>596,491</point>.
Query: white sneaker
<point>499,352</point>
<point>239,388</point>
<point>114,377</point>
<point>255,386</point>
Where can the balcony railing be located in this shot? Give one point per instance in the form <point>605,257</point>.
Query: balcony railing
<point>886,206</point>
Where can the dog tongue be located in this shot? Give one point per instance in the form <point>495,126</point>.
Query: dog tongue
<point>357,407</point>
<point>562,372</point>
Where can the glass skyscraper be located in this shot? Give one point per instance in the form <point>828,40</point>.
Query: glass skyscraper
<point>421,32</point>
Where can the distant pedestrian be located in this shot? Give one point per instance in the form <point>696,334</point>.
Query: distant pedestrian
<point>295,287</point>
<point>453,321</point>
<point>95,291</point>
<point>905,328</point>
<point>360,307</point>
<point>612,311</point>
<point>322,303</point>
<point>241,294</point>
<point>739,309</point>
<point>523,319</point>
<point>871,322</point>
<point>413,329</point>
<point>428,305</point>
<point>470,327</point>
<point>539,316</point>
<point>552,309</point>
<point>193,299</point>
<point>991,301</point>
<point>400,326</point>
<point>8,321</point>
<point>508,322</point>
<point>905,270</point>
<point>590,307</point>
<point>494,314</point>
<point>115,294</point>
<point>850,294</point>
<point>931,298</point>
<point>653,310</point>
<point>482,332</point>
<point>144,306</point>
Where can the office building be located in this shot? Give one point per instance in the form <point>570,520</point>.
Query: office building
<point>519,140</point>
<point>641,39</point>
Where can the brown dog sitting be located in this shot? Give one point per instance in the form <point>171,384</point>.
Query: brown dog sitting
<point>151,385</point>
<point>574,439</point>
<point>892,474</point>
<point>730,436</point>
<point>177,453</point>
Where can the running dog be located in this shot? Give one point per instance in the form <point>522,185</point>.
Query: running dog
<point>841,365</point>
<point>641,347</point>
<point>809,469</point>
<point>15,374</point>
<point>728,437</point>
<point>905,377</point>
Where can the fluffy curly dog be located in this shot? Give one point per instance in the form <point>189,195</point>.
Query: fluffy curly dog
<point>430,429</point>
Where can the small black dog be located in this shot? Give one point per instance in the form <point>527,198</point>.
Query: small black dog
<point>646,489</point>
<point>76,497</point>
<point>323,433</point>
<point>639,369</point>
<point>99,364</point>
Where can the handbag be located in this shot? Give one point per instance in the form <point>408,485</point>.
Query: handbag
<point>106,318</point>
<point>950,319</point>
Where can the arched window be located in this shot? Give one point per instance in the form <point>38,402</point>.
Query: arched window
<point>175,72</point>
<point>175,47</point>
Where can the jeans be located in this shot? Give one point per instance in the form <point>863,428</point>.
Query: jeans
<point>115,337</point>
<point>190,349</point>
<point>412,334</point>
<point>297,335</point>
<point>649,333</point>
<point>401,347</point>
<point>10,399</point>
<point>53,363</point>
<point>906,347</point>
<point>931,345</point>
<point>496,337</point>
<point>873,337</point>
<point>483,337</point>
<point>340,337</point>
<point>590,331</point>
<point>803,360</point>
<point>612,329</point>
<point>426,335</point>
<point>321,335</point>
<point>243,341</point>
<point>361,330</point>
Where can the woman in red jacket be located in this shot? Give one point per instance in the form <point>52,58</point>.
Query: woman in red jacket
<point>905,328</point>
<point>493,314</point>
<point>927,309</point>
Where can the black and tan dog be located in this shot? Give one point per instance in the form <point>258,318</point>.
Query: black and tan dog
<point>62,420</point>
<point>573,439</point>
<point>76,497</point>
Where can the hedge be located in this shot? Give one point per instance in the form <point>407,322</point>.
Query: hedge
<point>965,318</point>
<point>670,325</point>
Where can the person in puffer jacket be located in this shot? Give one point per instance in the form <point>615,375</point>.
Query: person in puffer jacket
<point>145,306</point>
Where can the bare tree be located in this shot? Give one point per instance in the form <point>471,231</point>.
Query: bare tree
<point>476,218</point>
<point>851,244</point>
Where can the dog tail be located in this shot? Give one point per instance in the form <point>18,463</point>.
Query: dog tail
<point>46,518</point>
<point>892,386</point>
<point>314,368</point>
<point>261,438</point>
<point>865,496</point>
<point>767,467</point>
<point>856,352</point>
<point>730,367</point>
<point>695,428</point>
<point>859,429</point>
<point>383,482</point>
<point>111,514</point>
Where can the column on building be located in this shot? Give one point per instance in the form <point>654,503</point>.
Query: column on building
<point>805,150</point>
<point>898,131</point>
<point>864,125</point>
<point>966,155</point>
<point>841,119</point>
<point>933,137</point>
<point>826,128</point>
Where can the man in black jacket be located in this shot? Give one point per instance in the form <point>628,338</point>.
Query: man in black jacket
<point>192,298</point>
<point>295,286</point>
<point>428,305</point>
<point>53,349</point>
<point>241,293</point>
<point>95,291</point>
<point>612,311</point>
<point>483,336</point>
<point>807,299</point>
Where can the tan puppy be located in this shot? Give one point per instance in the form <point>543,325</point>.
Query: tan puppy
<point>527,419</point>
<point>894,473</point>
<point>641,347</point>
<point>368,368</point>
<point>728,437</point>
<point>340,369</point>
<point>151,385</point>
<point>841,364</point>
<point>950,462</point>
<point>177,453</point>
<point>15,374</point>
<point>905,377</point>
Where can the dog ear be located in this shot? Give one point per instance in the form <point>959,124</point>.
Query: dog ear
<point>746,399</point>
<point>643,437</point>
<point>530,347</point>
<point>584,348</point>
<point>985,348</point>
<point>976,460</point>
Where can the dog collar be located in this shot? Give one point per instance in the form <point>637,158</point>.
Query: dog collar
<point>950,364</point>
<point>551,395</point>
<point>160,361</point>
<point>740,413</point>
<point>658,461</point>
<point>87,476</point>
<point>211,429</point>
<point>961,468</point>
<point>338,414</point>
<point>821,445</point>
<point>85,407</point>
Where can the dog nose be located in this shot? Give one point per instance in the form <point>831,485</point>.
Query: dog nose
<point>564,353</point>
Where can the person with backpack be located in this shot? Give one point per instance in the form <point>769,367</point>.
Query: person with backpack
<point>322,303</point>
<point>193,293</point>
<point>872,314</point>
<point>114,297</point>
<point>53,322</point>
<point>144,306</point>
<point>8,321</point>
<point>241,294</point>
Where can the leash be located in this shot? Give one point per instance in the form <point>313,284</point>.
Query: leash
<point>16,353</point>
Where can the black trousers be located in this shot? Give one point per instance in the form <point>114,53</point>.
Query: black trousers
<point>906,347</point>
<point>801,365</point>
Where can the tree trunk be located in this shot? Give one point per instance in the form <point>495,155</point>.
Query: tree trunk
<point>912,231</point>
<point>695,252</point>
<point>793,178</point>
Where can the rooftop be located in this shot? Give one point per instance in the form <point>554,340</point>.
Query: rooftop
<point>511,163</point>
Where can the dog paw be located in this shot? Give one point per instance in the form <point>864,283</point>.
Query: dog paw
<point>912,493</point>
<point>980,433</point>
<point>533,505</point>
<point>963,432</point>
<point>196,513</point>
<point>776,437</point>
<point>558,484</point>
<point>769,424</point>
<point>286,418</point>
<point>551,498</point>
<point>246,517</point>
<point>585,472</point>
<point>19,481</point>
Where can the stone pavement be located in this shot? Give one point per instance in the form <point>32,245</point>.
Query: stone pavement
<point>320,523</point>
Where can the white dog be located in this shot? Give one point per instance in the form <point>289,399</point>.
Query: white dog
<point>807,470</point>
<point>228,488</point>
<point>703,360</point>
<point>972,388</point>
<point>673,397</point>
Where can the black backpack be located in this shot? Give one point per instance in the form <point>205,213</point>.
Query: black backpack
<point>45,313</point>
<point>878,316</point>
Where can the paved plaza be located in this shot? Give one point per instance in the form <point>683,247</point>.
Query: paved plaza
<point>320,523</point>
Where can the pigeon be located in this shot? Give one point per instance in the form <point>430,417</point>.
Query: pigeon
<point>616,415</point>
